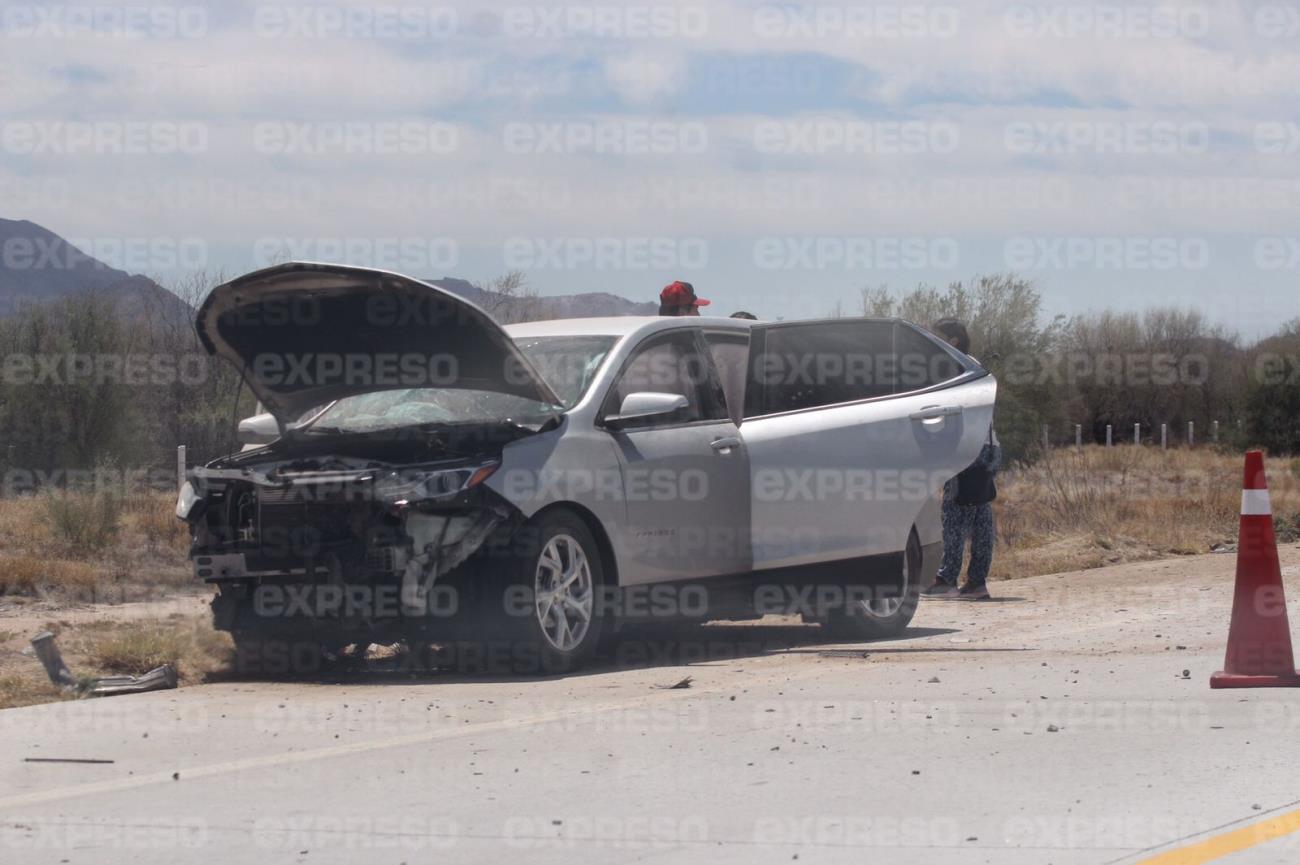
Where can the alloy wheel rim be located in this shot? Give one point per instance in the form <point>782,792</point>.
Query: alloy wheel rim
<point>562,588</point>
<point>884,607</point>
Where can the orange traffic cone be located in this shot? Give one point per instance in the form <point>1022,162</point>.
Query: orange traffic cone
<point>1259,638</point>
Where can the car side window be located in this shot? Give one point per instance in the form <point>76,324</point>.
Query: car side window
<point>730,353</point>
<point>669,363</point>
<point>805,365</point>
<point>921,362</point>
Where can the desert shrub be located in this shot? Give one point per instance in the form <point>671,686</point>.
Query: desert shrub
<point>83,521</point>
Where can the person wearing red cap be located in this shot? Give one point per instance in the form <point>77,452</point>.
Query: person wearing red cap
<point>679,298</point>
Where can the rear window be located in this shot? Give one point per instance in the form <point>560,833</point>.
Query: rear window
<point>810,364</point>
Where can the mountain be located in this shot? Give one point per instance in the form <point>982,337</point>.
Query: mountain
<point>507,309</point>
<point>37,265</point>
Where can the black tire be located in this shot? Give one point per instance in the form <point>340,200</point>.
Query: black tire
<point>889,616</point>
<point>536,634</point>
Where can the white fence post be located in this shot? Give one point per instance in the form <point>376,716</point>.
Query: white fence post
<point>1078,437</point>
<point>1110,440</point>
<point>1191,433</point>
<point>1137,433</point>
<point>180,466</point>
<point>1164,436</point>
<point>1214,432</point>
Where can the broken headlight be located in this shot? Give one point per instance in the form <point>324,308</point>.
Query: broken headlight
<point>407,487</point>
<point>189,503</point>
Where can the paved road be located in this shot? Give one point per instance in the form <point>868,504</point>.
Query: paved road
<point>1053,726</point>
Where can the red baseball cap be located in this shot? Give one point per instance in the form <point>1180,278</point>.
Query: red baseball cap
<point>681,294</point>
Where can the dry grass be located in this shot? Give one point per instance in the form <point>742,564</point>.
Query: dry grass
<point>136,648</point>
<point>82,521</point>
<point>27,689</point>
<point>26,574</point>
<point>153,519</point>
<point>87,546</point>
<point>1102,506</point>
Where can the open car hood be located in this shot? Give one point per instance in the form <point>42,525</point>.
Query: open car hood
<point>304,334</point>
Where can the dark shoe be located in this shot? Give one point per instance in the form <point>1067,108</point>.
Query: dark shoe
<point>940,589</point>
<point>973,593</point>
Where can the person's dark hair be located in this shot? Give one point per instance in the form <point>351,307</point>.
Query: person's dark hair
<point>678,298</point>
<point>953,331</point>
<point>747,316</point>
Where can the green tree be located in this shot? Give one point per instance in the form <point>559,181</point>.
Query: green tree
<point>1273,394</point>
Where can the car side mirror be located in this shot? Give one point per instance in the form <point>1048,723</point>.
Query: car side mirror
<point>646,404</point>
<point>260,429</point>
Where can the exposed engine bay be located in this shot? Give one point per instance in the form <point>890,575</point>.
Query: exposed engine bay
<point>353,530</point>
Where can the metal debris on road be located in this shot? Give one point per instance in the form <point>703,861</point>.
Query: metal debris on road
<point>66,760</point>
<point>157,679</point>
<point>48,654</point>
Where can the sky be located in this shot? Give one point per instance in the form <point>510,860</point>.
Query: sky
<point>781,157</point>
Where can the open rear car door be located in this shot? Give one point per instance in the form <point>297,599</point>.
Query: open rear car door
<point>853,426</point>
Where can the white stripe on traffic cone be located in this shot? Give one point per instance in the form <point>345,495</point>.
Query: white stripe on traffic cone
<point>1255,503</point>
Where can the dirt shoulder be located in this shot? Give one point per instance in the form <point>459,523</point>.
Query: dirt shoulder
<point>1139,605</point>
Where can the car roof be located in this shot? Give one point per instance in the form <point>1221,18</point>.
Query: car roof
<point>618,326</point>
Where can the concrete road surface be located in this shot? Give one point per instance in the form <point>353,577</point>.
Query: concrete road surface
<point>1068,722</point>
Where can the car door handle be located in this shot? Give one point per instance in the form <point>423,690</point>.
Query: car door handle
<point>725,444</point>
<point>935,412</point>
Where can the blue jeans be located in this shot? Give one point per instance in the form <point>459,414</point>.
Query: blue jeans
<point>960,523</point>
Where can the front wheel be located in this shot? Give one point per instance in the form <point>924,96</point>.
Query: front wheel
<point>888,614</point>
<point>552,615</point>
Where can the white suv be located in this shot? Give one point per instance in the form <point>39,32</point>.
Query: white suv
<point>430,476</point>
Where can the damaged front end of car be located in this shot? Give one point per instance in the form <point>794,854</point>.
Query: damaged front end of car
<point>338,546</point>
<point>361,520</point>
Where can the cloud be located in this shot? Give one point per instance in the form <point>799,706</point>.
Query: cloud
<point>644,78</point>
<point>726,121</point>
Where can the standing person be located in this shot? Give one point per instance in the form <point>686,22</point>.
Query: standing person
<point>967,506</point>
<point>678,298</point>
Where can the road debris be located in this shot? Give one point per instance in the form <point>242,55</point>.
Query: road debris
<point>680,686</point>
<point>66,760</point>
<point>157,679</point>
<point>48,654</point>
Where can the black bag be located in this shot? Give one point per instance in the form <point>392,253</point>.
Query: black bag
<point>976,485</point>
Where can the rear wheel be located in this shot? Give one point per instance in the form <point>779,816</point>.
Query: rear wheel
<point>889,612</point>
